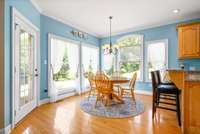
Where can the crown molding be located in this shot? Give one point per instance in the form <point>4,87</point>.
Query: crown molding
<point>36,5</point>
<point>149,26</point>
<point>71,25</point>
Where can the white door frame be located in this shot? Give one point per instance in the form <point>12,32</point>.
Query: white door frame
<point>17,15</point>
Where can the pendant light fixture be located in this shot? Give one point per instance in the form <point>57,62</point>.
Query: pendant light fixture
<point>110,49</point>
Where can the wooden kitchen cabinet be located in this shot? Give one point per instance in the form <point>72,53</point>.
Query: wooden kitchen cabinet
<point>191,107</point>
<point>189,41</point>
<point>190,99</point>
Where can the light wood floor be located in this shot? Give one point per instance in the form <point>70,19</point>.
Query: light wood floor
<point>66,117</point>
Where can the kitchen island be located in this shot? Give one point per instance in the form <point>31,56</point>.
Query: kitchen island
<point>189,84</point>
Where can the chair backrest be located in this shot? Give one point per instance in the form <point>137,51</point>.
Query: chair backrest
<point>101,75</point>
<point>103,84</point>
<point>157,73</point>
<point>132,82</point>
<point>155,80</point>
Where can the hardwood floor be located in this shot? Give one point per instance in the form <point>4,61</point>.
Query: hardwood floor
<point>66,117</point>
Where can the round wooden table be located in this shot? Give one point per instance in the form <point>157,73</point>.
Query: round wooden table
<point>118,80</point>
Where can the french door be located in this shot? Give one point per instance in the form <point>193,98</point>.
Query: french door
<point>90,63</point>
<point>25,69</point>
<point>69,62</point>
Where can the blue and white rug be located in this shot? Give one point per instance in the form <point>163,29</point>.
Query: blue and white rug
<point>115,110</point>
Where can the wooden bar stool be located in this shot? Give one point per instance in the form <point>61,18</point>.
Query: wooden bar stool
<point>163,93</point>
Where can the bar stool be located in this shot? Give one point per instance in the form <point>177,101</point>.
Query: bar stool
<point>164,92</point>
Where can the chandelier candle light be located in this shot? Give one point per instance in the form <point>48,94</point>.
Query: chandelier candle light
<point>110,49</point>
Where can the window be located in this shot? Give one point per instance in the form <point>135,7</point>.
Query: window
<point>130,59</point>
<point>108,64</point>
<point>64,65</point>
<point>156,56</point>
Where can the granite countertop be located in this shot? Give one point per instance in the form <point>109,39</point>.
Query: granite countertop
<point>190,75</point>
<point>190,71</point>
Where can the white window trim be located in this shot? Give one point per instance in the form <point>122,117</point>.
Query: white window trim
<point>50,36</point>
<point>80,45</point>
<point>142,52</point>
<point>146,60</point>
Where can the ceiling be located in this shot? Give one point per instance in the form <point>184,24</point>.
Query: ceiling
<point>128,15</point>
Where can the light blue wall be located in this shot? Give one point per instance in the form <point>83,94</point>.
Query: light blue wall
<point>163,32</point>
<point>29,11</point>
<point>46,25</point>
<point>49,25</point>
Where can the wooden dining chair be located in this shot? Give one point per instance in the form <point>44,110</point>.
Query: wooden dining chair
<point>91,79</point>
<point>104,88</point>
<point>130,88</point>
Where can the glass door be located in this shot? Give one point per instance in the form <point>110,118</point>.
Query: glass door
<point>90,63</point>
<point>25,71</point>
<point>64,66</point>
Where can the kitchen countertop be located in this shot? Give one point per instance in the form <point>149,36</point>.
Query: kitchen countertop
<point>190,75</point>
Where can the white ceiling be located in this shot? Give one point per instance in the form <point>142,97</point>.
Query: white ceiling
<point>92,15</point>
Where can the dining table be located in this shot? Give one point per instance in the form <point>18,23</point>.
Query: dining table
<point>118,81</point>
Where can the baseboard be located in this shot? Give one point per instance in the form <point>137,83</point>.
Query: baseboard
<point>143,92</point>
<point>6,130</point>
<point>63,96</point>
<point>44,101</point>
<point>60,97</point>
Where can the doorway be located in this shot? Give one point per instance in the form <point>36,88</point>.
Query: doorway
<point>25,66</point>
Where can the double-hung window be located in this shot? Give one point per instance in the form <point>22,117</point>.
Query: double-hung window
<point>156,57</point>
<point>130,58</point>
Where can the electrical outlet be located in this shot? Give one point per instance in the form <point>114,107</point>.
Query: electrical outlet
<point>192,68</point>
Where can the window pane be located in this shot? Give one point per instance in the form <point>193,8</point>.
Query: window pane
<point>156,57</point>
<point>127,69</point>
<point>130,41</point>
<point>64,61</point>
<point>130,56</point>
<point>108,64</point>
<point>130,53</point>
<point>26,68</point>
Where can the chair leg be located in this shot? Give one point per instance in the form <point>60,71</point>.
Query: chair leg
<point>122,93</point>
<point>118,91</point>
<point>97,99</point>
<point>178,108</point>
<point>133,96</point>
<point>89,94</point>
<point>154,104</point>
<point>158,98</point>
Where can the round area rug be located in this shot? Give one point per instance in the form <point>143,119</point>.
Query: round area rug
<point>115,110</point>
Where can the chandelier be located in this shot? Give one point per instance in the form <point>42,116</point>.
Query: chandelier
<point>110,49</point>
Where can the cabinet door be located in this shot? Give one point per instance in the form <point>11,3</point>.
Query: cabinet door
<point>189,41</point>
<point>191,108</point>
